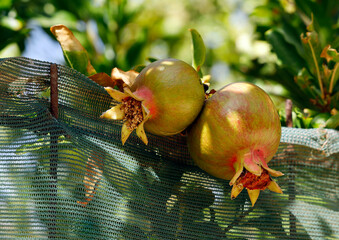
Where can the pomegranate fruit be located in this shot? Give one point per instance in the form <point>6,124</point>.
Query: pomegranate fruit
<point>236,134</point>
<point>164,99</point>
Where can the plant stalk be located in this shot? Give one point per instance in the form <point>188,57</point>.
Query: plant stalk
<point>318,71</point>
<point>330,90</point>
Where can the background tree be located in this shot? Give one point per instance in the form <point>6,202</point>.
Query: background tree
<point>256,41</point>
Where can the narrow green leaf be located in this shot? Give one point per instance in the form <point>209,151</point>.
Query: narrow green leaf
<point>291,36</point>
<point>285,51</point>
<point>199,50</point>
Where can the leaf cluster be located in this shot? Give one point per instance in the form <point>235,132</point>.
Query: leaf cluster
<point>304,37</point>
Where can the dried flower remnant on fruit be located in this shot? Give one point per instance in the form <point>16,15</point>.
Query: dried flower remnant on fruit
<point>255,182</point>
<point>252,181</point>
<point>133,112</point>
<point>210,93</point>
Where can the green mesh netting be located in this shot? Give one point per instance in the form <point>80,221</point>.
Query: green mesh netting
<point>70,178</point>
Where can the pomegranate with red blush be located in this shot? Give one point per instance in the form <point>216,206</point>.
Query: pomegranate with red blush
<point>164,99</point>
<point>236,134</point>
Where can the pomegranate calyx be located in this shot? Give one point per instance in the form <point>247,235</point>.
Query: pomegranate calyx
<point>240,169</point>
<point>254,195</point>
<point>236,190</point>
<point>254,183</point>
<point>272,172</point>
<point>274,187</point>
<point>115,113</point>
<point>116,94</point>
<point>131,110</point>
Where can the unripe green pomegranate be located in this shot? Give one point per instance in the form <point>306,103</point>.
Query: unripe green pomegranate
<point>164,99</point>
<point>236,134</point>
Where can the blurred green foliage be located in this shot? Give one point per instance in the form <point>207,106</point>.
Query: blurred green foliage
<point>256,41</point>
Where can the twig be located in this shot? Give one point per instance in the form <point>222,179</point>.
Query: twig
<point>288,109</point>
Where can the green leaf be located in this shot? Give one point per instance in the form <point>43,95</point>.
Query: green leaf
<point>333,54</point>
<point>199,50</point>
<point>320,120</point>
<point>331,75</point>
<point>312,52</point>
<point>307,122</point>
<point>77,60</point>
<point>304,81</point>
<point>264,14</point>
<point>332,122</point>
<point>5,4</point>
<point>285,51</point>
<point>291,36</point>
<point>74,53</point>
